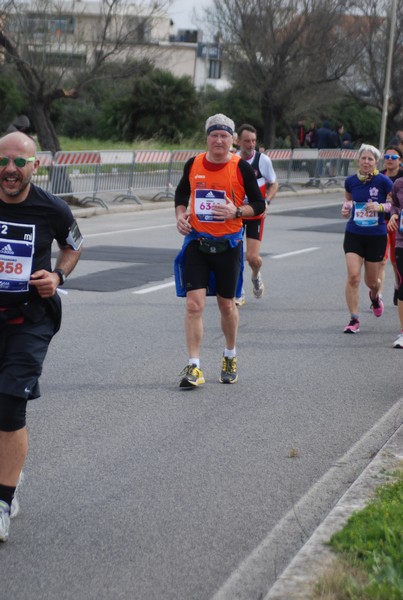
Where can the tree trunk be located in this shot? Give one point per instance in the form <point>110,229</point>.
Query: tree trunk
<point>269,125</point>
<point>47,136</point>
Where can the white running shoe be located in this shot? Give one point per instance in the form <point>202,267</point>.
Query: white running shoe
<point>15,505</point>
<point>257,286</point>
<point>398,343</point>
<point>241,300</point>
<point>4,521</point>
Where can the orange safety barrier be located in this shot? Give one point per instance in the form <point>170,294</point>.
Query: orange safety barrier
<point>77,158</point>
<point>127,174</point>
<point>152,156</point>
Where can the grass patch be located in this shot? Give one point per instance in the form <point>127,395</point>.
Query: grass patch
<point>370,549</point>
<point>71,144</point>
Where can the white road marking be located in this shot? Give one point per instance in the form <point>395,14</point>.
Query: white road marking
<point>295,252</point>
<point>155,288</point>
<point>117,231</point>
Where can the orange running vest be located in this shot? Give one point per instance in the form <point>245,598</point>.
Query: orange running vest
<point>228,179</point>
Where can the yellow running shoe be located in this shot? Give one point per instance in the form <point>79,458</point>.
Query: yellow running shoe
<point>191,377</point>
<point>229,370</point>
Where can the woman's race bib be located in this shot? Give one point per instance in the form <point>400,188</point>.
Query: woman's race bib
<point>204,200</point>
<point>401,221</point>
<point>363,217</point>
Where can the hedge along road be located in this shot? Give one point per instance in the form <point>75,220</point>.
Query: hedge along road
<point>135,489</point>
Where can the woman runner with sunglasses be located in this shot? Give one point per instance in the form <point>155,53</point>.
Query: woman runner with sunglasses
<point>396,225</point>
<point>392,158</point>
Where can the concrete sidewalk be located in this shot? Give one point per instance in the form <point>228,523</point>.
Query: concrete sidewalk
<point>298,580</point>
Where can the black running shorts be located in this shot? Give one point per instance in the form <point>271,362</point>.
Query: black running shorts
<point>23,349</point>
<point>225,266</point>
<point>370,247</point>
<point>254,228</point>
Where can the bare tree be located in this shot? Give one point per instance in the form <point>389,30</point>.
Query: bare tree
<point>60,47</point>
<point>366,79</point>
<point>290,54</point>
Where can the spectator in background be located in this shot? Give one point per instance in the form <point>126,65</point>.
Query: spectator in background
<point>311,136</point>
<point>346,141</point>
<point>326,138</point>
<point>311,140</point>
<point>297,140</point>
<point>345,144</point>
<point>20,123</point>
<point>299,133</point>
<point>335,141</point>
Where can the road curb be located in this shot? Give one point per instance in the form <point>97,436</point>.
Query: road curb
<point>298,579</point>
<point>93,211</point>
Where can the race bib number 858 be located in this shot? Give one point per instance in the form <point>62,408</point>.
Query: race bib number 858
<point>16,253</point>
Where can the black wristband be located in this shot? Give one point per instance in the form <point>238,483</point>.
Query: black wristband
<point>62,275</point>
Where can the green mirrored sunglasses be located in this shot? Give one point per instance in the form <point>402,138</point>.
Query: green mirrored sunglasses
<point>18,161</point>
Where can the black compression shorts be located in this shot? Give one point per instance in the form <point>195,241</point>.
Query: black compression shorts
<point>226,267</point>
<point>254,228</point>
<point>370,247</point>
<point>12,413</point>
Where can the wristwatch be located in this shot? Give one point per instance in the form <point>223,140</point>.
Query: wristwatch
<point>238,213</point>
<point>62,275</point>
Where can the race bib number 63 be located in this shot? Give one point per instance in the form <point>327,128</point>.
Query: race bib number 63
<point>204,200</point>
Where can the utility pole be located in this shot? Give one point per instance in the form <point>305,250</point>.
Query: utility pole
<point>387,76</point>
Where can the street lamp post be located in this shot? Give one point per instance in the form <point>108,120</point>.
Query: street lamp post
<point>387,76</point>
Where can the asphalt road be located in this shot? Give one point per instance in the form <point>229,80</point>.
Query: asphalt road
<point>137,490</point>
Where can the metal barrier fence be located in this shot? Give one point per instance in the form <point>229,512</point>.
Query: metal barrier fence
<point>312,167</point>
<point>115,174</point>
<point>125,175</point>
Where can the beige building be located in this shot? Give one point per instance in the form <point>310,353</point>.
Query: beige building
<point>73,34</point>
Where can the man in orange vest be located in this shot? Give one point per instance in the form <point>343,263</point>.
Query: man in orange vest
<point>209,207</point>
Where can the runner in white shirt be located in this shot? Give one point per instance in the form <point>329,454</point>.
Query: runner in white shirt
<point>253,226</point>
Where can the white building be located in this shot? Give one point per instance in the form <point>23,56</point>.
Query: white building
<point>72,33</point>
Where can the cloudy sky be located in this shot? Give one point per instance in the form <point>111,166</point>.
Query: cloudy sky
<point>181,12</point>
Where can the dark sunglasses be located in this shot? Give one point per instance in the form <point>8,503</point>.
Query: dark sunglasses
<point>18,161</point>
<point>391,156</point>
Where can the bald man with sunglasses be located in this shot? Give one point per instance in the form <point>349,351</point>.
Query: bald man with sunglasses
<point>30,308</point>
